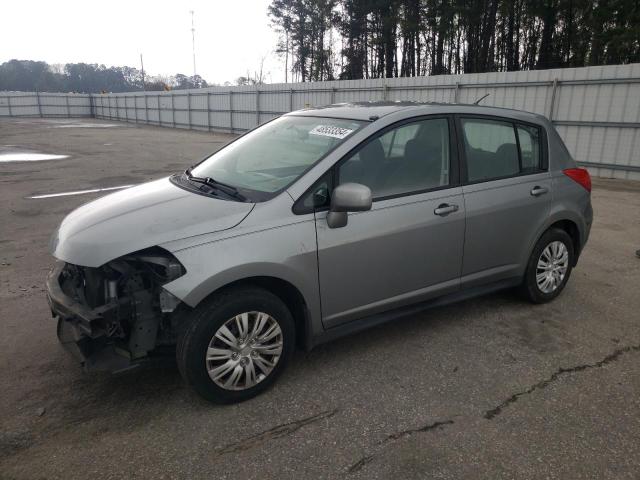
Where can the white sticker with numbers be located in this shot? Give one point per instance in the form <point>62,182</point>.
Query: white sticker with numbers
<point>330,131</point>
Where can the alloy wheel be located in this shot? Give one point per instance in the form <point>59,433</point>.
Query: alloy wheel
<point>244,350</point>
<point>552,266</point>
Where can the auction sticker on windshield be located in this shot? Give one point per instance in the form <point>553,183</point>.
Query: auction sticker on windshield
<point>330,131</point>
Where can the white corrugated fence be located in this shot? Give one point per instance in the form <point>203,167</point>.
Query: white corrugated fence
<point>595,109</point>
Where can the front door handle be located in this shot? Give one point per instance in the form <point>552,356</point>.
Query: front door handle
<point>537,191</point>
<point>445,209</point>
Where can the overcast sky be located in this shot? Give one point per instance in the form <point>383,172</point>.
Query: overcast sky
<point>231,35</point>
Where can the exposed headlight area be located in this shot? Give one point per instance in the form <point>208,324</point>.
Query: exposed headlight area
<point>121,304</point>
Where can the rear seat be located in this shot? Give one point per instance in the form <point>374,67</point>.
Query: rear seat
<point>482,164</point>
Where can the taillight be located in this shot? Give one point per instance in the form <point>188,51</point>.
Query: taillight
<point>580,175</point>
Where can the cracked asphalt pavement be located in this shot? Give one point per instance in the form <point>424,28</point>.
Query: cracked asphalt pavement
<point>489,388</point>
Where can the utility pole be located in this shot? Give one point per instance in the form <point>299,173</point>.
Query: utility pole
<point>193,42</point>
<point>144,88</point>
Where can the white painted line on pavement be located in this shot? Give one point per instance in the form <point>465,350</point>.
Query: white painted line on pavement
<point>80,192</point>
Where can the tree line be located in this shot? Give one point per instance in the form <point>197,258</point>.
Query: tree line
<point>32,76</point>
<point>354,39</point>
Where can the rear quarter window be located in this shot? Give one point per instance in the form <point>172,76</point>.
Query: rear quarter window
<point>530,148</point>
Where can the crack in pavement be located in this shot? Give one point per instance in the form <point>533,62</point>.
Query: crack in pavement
<point>489,414</point>
<point>356,467</point>
<point>411,431</point>
<point>396,436</point>
<point>273,433</point>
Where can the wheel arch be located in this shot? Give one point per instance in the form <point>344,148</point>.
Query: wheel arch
<point>570,226</point>
<point>290,295</point>
<point>301,307</point>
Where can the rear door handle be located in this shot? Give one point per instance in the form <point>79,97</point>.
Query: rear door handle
<point>537,191</point>
<point>445,209</point>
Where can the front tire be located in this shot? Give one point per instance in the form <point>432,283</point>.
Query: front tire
<point>549,267</point>
<point>238,342</point>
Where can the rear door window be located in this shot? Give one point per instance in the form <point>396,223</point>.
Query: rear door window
<point>491,149</point>
<point>500,149</point>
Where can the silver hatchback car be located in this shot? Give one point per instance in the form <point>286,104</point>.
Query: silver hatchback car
<point>316,224</point>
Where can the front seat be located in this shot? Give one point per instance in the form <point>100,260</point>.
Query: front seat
<point>423,159</point>
<point>367,170</point>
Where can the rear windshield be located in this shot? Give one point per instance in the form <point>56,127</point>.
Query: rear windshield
<point>273,156</point>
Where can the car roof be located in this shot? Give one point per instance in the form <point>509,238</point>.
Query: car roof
<point>369,111</point>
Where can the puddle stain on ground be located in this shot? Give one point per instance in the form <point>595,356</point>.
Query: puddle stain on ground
<point>29,157</point>
<point>87,125</point>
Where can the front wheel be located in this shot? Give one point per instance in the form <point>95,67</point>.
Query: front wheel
<point>549,267</point>
<point>237,344</point>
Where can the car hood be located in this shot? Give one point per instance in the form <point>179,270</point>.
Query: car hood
<point>140,217</point>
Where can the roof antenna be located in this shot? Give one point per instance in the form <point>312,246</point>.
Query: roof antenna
<point>481,98</point>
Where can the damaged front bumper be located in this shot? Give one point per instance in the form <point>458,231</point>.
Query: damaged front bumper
<point>82,330</point>
<point>88,333</point>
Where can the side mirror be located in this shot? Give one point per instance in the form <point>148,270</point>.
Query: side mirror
<point>348,197</point>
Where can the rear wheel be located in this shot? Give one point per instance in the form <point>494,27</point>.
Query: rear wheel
<point>549,267</point>
<point>237,344</point>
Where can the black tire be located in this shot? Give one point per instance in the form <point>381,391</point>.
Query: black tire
<point>204,322</point>
<point>529,287</point>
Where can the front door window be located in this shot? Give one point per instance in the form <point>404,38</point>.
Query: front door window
<point>408,159</point>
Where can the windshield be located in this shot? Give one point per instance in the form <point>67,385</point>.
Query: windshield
<point>274,155</point>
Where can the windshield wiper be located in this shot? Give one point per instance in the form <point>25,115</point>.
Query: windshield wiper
<point>216,185</point>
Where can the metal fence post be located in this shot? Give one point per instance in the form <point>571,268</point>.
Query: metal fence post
<point>135,107</point>
<point>385,94</point>
<point>146,109</point>
<point>231,111</point>
<point>189,108</point>
<point>9,105</point>
<point>333,95</point>
<point>291,100</point>
<point>159,111</point>
<point>39,106</point>
<point>456,95</point>
<point>66,100</point>
<point>173,112</point>
<point>257,106</point>
<point>553,98</point>
<point>208,112</point>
